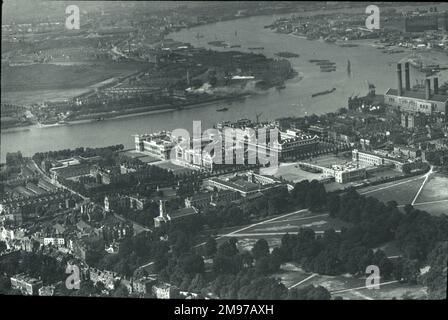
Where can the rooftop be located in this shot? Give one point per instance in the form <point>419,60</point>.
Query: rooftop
<point>182,212</point>
<point>239,184</point>
<point>26,278</point>
<point>419,95</point>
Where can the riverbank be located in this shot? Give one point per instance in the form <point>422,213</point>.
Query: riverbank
<point>129,113</point>
<point>294,100</point>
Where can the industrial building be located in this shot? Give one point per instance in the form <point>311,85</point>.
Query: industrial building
<point>427,22</point>
<point>412,120</point>
<point>420,23</point>
<point>407,99</point>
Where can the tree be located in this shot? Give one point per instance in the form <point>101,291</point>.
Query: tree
<point>260,249</point>
<point>197,283</point>
<point>275,260</point>
<point>333,203</point>
<point>407,270</point>
<point>120,291</point>
<point>406,169</point>
<point>228,248</point>
<point>210,247</point>
<point>3,246</point>
<point>5,285</point>
<point>436,278</point>
<point>192,264</point>
<point>262,265</point>
<point>224,265</point>
<point>309,293</point>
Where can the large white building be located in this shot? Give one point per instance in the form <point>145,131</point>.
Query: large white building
<point>158,144</point>
<point>340,173</point>
<point>365,158</point>
<point>242,143</point>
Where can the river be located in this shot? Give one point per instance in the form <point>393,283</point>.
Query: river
<point>367,63</point>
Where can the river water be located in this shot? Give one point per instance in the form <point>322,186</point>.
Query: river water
<point>367,63</point>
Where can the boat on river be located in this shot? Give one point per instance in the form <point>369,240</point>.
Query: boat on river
<point>323,92</point>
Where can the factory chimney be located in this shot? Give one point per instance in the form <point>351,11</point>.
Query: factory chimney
<point>427,89</point>
<point>399,84</point>
<point>406,76</point>
<point>436,85</point>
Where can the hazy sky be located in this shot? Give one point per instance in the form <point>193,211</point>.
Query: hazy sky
<point>26,10</point>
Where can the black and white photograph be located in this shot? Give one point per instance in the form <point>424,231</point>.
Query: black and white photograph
<point>234,153</point>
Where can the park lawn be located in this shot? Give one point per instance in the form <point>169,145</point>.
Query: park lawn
<point>401,191</point>
<point>437,208</point>
<point>320,222</point>
<point>435,189</point>
<point>50,77</point>
<point>176,169</point>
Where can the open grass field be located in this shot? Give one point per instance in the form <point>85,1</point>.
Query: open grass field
<point>429,195</point>
<point>346,286</point>
<point>293,276</point>
<point>434,196</point>
<point>436,188</point>
<point>48,82</point>
<point>291,223</point>
<point>318,222</point>
<point>146,158</point>
<point>49,76</point>
<point>39,96</point>
<point>272,230</point>
<point>292,172</point>
<point>435,208</point>
<point>169,165</point>
<point>401,191</point>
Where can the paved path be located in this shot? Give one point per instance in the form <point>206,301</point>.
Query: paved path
<point>427,175</point>
<point>365,287</point>
<point>304,280</point>
<point>253,225</point>
<point>423,203</point>
<point>236,231</point>
<point>391,185</point>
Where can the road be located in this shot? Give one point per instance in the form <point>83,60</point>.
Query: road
<point>54,182</point>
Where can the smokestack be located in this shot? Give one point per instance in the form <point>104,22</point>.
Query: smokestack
<point>399,84</point>
<point>427,89</point>
<point>436,85</point>
<point>406,76</point>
